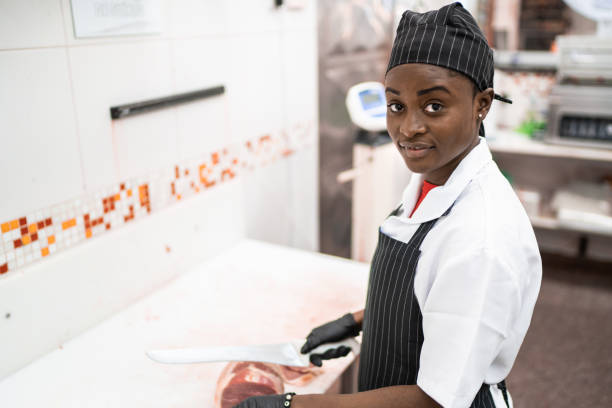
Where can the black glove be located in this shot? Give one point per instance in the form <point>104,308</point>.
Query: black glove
<point>265,401</point>
<point>336,330</point>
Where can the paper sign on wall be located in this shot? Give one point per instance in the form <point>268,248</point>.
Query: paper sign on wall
<point>108,18</point>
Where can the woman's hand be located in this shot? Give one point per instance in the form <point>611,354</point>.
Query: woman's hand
<point>336,330</point>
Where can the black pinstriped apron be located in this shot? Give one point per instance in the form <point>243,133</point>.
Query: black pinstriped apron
<point>392,324</point>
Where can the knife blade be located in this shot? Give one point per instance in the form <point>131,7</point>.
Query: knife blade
<point>282,353</point>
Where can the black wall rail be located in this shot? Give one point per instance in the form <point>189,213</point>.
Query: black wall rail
<point>118,112</point>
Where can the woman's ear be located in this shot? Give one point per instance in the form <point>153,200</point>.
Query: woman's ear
<point>482,102</point>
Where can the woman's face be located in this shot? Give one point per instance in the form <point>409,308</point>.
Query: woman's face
<point>432,117</point>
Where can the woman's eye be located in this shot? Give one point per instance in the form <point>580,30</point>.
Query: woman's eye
<point>433,107</point>
<point>395,107</point>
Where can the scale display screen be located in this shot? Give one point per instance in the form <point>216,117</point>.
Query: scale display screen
<point>370,99</point>
<point>367,106</point>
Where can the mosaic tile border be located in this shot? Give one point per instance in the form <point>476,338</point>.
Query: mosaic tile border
<point>36,236</point>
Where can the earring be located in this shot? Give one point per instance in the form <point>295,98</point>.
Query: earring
<point>480,115</point>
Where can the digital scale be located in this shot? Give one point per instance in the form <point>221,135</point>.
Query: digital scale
<point>367,106</point>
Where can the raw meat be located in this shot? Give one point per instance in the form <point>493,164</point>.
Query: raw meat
<point>299,375</point>
<point>240,380</point>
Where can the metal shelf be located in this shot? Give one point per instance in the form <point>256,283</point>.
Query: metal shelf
<point>512,142</point>
<point>551,223</point>
<point>526,60</point>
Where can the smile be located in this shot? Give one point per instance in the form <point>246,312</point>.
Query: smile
<point>415,150</point>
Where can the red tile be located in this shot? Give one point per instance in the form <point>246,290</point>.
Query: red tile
<point>122,186</point>
<point>40,224</point>
<point>34,236</point>
<point>17,243</point>
<point>48,222</point>
<point>107,226</point>
<point>23,221</point>
<point>24,230</point>
<point>3,268</point>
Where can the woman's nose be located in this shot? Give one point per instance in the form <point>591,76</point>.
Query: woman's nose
<point>412,125</point>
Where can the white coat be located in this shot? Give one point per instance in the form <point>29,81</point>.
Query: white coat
<point>477,279</point>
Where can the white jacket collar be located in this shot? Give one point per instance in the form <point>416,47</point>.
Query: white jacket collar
<point>441,198</point>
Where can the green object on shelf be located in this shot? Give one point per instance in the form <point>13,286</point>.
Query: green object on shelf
<point>529,127</point>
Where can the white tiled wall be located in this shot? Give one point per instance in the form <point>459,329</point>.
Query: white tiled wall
<point>193,18</point>
<point>201,63</point>
<point>31,24</point>
<point>58,143</point>
<point>40,163</point>
<point>255,97</point>
<point>106,75</point>
<point>252,16</point>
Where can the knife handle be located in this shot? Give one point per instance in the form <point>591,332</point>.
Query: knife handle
<point>351,343</point>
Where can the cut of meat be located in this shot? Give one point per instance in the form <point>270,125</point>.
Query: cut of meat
<point>240,380</point>
<point>299,375</point>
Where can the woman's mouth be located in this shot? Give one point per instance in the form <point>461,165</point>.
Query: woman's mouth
<point>415,150</point>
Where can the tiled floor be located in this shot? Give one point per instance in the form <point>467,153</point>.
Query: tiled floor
<point>566,359</point>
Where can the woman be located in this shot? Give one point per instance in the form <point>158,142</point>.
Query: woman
<point>457,270</point>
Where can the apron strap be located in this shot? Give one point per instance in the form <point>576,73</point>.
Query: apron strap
<point>502,386</point>
<point>423,230</point>
<point>395,212</point>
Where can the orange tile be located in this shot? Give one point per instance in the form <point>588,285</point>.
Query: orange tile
<point>44,251</point>
<point>88,233</point>
<point>26,239</point>
<point>33,228</point>
<point>117,197</point>
<point>14,224</point>
<point>51,240</point>
<point>68,224</point>
<point>6,227</point>
<point>129,193</point>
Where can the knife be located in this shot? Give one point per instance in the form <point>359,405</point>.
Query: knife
<point>281,353</point>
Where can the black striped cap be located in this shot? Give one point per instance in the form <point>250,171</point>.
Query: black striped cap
<point>449,38</point>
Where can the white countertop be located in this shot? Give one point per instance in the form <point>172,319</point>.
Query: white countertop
<point>254,293</point>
